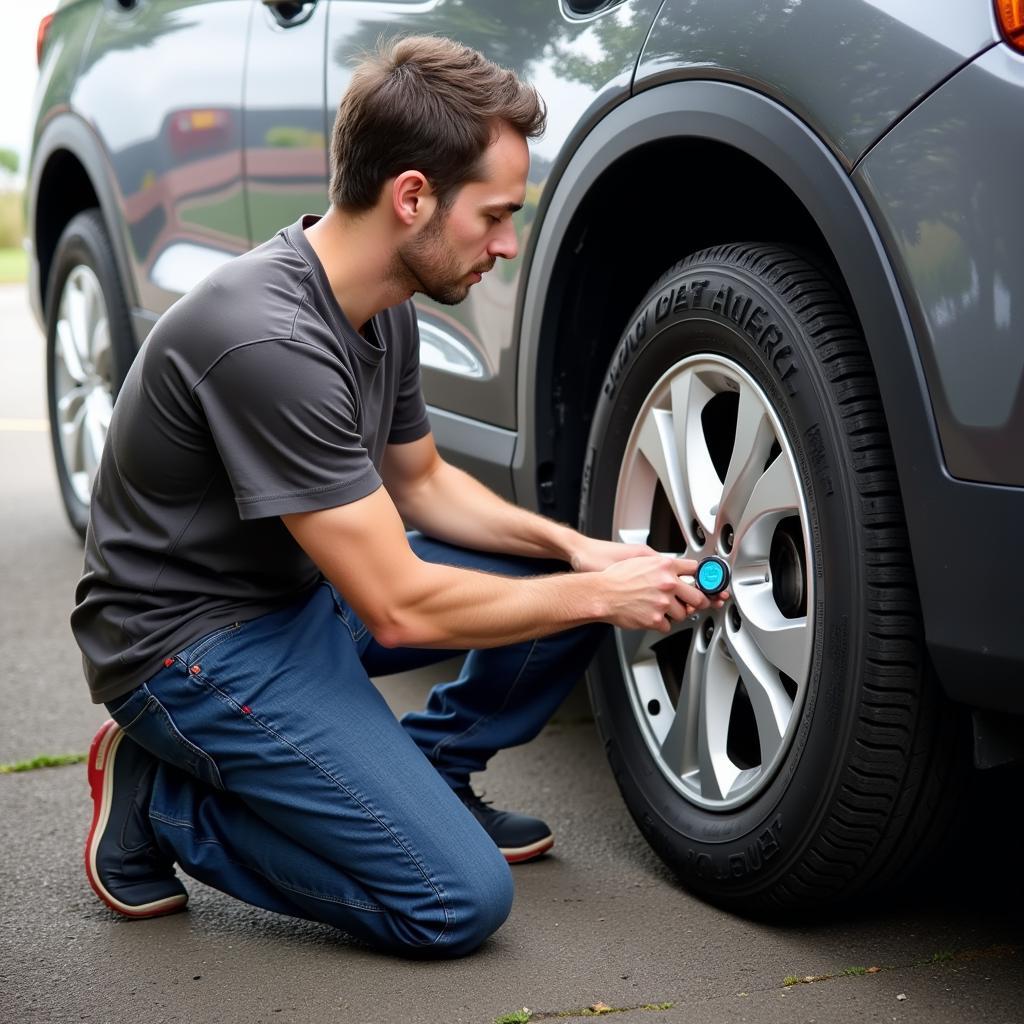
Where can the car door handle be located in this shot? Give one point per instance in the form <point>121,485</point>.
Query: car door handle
<point>290,12</point>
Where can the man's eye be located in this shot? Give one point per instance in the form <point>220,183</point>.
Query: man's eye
<point>493,219</point>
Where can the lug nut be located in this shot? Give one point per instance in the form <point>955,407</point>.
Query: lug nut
<point>708,630</point>
<point>734,617</point>
<point>727,538</point>
<point>698,532</point>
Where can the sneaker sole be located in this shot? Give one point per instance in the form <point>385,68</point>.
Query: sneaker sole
<point>101,754</point>
<point>520,854</point>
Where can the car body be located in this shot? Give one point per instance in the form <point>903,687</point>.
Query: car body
<point>877,136</point>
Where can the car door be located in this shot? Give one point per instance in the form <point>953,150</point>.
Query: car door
<point>285,123</point>
<point>175,153</point>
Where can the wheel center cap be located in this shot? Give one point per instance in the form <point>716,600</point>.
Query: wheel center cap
<point>712,575</point>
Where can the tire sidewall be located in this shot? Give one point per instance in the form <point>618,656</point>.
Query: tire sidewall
<point>84,242</point>
<point>736,848</point>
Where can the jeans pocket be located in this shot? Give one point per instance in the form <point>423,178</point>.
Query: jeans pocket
<point>148,723</point>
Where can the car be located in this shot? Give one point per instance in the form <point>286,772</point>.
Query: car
<point>768,306</point>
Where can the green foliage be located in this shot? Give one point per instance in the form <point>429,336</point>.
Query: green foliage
<point>515,1017</point>
<point>790,979</point>
<point>9,160</point>
<point>851,972</point>
<point>43,761</point>
<point>13,266</point>
<point>12,228</point>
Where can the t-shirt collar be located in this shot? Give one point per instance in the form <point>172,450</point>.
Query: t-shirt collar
<point>371,347</point>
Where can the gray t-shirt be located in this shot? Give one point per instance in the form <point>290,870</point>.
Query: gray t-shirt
<point>252,397</point>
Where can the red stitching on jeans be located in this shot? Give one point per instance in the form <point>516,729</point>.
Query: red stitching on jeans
<point>246,710</point>
<point>168,662</point>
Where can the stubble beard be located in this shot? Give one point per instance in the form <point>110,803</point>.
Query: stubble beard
<point>426,264</point>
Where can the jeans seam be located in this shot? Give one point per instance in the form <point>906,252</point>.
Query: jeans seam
<point>449,915</point>
<point>355,904</point>
<point>149,700</point>
<point>447,741</point>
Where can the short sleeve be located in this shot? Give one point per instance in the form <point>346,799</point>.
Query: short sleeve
<point>409,422</point>
<point>284,416</point>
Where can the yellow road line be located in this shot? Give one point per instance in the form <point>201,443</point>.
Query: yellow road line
<point>24,426</point>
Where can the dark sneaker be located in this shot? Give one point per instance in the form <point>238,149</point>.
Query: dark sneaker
<point>518,837</point>
<point>122,862</point>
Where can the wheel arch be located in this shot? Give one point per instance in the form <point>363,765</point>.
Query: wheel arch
<point>70,174</point>
<point>726,137</point>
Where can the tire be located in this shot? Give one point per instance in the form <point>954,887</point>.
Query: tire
<point>89,347</point>
<point>790,750</point>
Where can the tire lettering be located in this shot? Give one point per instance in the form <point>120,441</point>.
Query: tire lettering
<point>755,322</point>
<point>751,859</point>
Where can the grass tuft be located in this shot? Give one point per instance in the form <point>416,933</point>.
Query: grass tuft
<point>43,761</point>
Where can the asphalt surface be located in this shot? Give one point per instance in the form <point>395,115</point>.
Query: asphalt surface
<point>600,920</point>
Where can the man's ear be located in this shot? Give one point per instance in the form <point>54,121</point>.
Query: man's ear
<point>412,198</point>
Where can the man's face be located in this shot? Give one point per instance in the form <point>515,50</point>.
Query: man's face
<point>461,243</point>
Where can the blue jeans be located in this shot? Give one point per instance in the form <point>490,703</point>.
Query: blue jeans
<point>285,780</point>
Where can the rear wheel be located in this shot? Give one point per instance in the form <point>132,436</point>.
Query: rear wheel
<point>790,748</point>
<point>89,350</point>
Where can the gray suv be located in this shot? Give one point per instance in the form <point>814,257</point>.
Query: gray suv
<point>769,306</point>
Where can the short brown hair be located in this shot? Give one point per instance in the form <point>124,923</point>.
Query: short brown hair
<point>423,103</point>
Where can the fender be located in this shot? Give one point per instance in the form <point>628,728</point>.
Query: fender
<point>67,131</point>
<point>978,655</point>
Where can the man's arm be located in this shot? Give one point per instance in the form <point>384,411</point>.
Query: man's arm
<point>362,549</point>
<point>442,501</point>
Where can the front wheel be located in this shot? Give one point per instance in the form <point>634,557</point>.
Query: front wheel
<point>788,749</point>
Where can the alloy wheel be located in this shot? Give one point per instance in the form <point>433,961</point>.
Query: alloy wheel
<point>708,470</point>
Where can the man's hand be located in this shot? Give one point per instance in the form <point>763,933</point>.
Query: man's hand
<point>647,592</point>
<point>590,555</point>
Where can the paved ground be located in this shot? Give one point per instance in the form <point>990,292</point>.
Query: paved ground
<point>599,921</point>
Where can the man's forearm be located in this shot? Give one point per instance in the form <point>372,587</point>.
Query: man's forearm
<point>451,506</point>
<point>445,606</point>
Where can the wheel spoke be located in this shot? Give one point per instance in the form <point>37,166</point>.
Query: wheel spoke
<point>700,481</point>
<point>100,348</point>
<point>70,403</point>
<point>77,303</point>
<point>751,447</point>
<point>71,434</point>
<point>67,352</point>
<point>784,642</point>
<point>772,705</point>
<point>718,774</point>
<point>630,536</point>
<point>679,748</point>
<point>774,496</point>
<point>657,444</point>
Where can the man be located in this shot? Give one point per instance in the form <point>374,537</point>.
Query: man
<point>247,566</point>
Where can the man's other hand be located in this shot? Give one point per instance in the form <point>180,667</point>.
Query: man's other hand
<point>591,555</point>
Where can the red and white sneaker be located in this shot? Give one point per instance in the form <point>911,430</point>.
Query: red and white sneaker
<point>124,866</point>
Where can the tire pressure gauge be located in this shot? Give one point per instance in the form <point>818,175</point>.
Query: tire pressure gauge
<point>712,576</point>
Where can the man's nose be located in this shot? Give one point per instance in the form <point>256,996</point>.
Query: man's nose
<point>504,242</point>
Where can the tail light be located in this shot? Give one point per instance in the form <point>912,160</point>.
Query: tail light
<point>44,27</point>
<point>1010,15</point>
